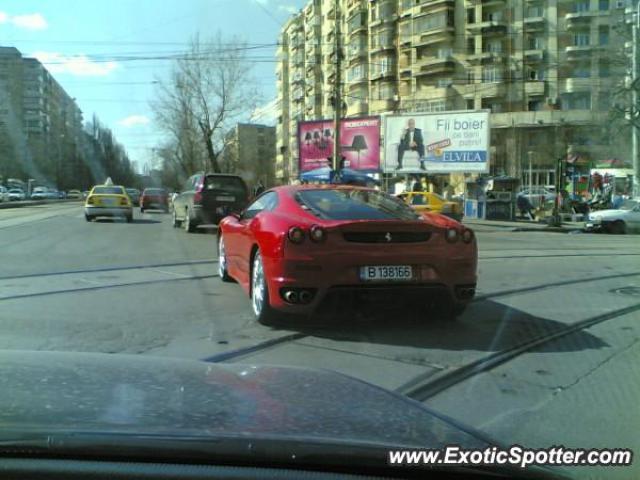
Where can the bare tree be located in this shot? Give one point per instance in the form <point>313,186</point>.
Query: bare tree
<point>209,90</point>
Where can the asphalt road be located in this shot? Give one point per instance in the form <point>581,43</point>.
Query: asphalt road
<point>147,288</point>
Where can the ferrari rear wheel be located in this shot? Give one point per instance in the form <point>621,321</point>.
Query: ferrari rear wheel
<point>222,262</point>
<point>260,293</point>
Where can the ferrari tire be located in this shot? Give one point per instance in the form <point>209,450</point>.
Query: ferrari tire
<point>222,262</point>
<point>265,315</point>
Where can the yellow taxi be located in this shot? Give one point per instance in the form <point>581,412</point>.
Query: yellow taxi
<point>108,200</point>
<point>432,202</point>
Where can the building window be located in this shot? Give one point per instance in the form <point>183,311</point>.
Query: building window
<point>581,71</point>
<point>536,75</point>
<point>581,6</point>
<point>437,20</point>
<point>535,105</point>
<point>603,4</point>
<point>471,76</point>
<point>471,15</point>
<point>581,39</point>
<point>491,74</point>
<point>493,16</point>
<point>576,101</point>
<point>405,31</point>
<point>604,101</point>
<point>357,21</point>
<point>355,73</point>
<point>535,11</point>
<point>470,104</point>
<point>604,69</point>
<point>494,46</point>
<point>603,35</point>
<point>444,82</point>
<point>536,43</point>
<point>445,52</point>
<point>471,45</point>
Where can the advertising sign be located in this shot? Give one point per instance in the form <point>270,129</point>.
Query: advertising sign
<point>359,143</point>
<point>443,142</point>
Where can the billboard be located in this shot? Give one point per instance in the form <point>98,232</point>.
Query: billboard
<point>443,142</point>
<point>359,143</point>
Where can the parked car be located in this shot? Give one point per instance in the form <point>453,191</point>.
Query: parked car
<point>625,219</point>
<point>74,194</point>
<point>538,196</point>
<point>134,195</point>
<point>85,194</point>
<point>154,199</point>
<point>432,202</point>
<point>39,193</point>
<point>16,194</point>
<point>208,198</point>
<point>4,194</point>
<point>296,247</point>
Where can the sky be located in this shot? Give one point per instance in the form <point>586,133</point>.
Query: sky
<point>88,47</point>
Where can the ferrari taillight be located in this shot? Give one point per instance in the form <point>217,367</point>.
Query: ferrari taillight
<point>296,235</point>
<point>317,234</point>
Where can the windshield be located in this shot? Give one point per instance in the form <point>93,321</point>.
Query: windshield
<point>629,205</point>
<point>354,205</point>
<point>107,191</point>
<point>438,198</point>
<point>154,191</point>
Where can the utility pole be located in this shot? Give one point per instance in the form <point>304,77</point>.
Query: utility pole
<point>337,98</point>
<point>635,84</point>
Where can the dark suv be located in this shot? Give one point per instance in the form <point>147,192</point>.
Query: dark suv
<point>208,198</point>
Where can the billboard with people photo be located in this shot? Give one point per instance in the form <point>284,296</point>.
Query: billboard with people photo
<point>443,142</point>
<point>359,143</point>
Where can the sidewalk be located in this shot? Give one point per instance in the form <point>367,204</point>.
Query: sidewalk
<point>521,226</point>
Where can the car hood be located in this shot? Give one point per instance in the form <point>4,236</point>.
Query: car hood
<point>608,213</point>
<point>49,392</point>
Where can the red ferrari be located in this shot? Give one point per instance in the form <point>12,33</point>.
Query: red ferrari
<point>296,248</point>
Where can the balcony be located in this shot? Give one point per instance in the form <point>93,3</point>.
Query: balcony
<point>382,47</point>
<point>488,27</point>
<point>434,5</point>
<point>485,90</point>
<point>438,35</point>
<point>383,21</point>
<point>357,108</point>
<point>571,85</point>
<point>485,57</point>
<point>534,55</point>
<point>386,105</point>
<point>577,21</point>
<point>434,66</point>
<point>579,51</point>
<point>534,88</point>
<point>357,80</point>
<point>390,73</point>
<point>534,22</point>
<point>357,29</point>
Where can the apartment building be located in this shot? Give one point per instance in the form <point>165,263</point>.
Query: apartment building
<point>250,152</point>
<point>546,69</point>
<point>40,124</point>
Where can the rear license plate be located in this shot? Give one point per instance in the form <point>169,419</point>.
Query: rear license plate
<point>395,273</point>
<point>224,198</point>
<point>108,201</point>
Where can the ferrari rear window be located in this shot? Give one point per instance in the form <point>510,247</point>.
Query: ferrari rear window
<point>107,191</point>
<point>354,205</point>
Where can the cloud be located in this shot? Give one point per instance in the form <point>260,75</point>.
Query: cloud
<point>3,17</point>
<point>134,120</point>
<point>79,65</point>
<point>288,8</point>
<point>261,2</point>
<point>31,21</point>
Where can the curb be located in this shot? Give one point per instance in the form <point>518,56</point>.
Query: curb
<point>34,203</point>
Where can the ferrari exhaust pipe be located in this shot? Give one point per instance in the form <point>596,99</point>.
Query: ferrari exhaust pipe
<point>291,296</point>
<point>305,296</point>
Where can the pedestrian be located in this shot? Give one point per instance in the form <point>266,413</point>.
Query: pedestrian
<point>525,207</point>
<point>417,185</point>
<point>259,188</point>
